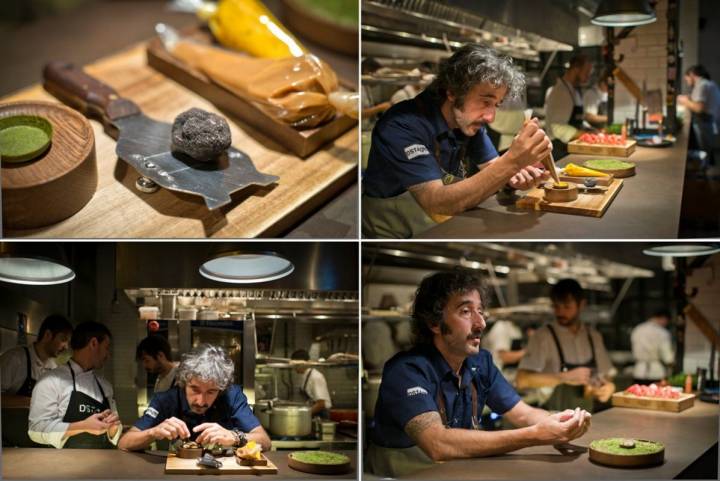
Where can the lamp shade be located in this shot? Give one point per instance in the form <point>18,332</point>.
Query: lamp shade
<point>624,13</point>
<point>682,250</point>
<point>33,271</point>
<point>246,267</point>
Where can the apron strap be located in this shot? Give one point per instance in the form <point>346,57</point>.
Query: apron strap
<point>28,365</point>
<point>592,348</point>
<point>72,373</point>
<point>441,406</point>
<point>563,365</point>
<point>443,410</point>
<point>307,379</point>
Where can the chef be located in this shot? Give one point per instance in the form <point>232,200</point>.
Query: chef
<point>72,406</point>
<point>595,103</point>
<point>564,111</point>
<point>204,406</point>
<point>20,368</point>
<point>567,355</point>
<point>431,397</point>
<point>312,385</point>
<point>652,348</point>
<point>704,103</point>
<point>431,156</point>
<point>155,354</point>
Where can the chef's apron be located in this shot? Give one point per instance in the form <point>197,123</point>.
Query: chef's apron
<point>401,217</point>
<point>325,414</point>
<point>576,120</point>
<point>396,462</point>
<point>566,396</point>
<point>15,420</point>
<point>79,408</point>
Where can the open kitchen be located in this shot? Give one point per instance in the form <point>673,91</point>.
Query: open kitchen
<point>540,360</point>
<point>582,119</point>
<point>169,360</point>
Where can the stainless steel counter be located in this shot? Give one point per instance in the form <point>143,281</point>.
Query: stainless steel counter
<point>686,436</point>
<point>39,463</point>
<point>647,207</point>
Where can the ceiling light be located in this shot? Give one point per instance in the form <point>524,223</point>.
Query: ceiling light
<point>34,271</point>
<point>682,250</point>
<point>624,13</point>
<point>246,268</point>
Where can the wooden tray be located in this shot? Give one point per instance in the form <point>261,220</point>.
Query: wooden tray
<point>621,399</point>
<point>301,142</point>
<point>175,465</point>
<point>591,205</point>
<point>577,147</point>
<point>118,210</point>
<point>627,461</point>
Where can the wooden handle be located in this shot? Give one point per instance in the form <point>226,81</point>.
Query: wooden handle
<point>87,94</point>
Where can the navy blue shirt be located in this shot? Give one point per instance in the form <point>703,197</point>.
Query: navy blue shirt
<point>230,410</point>
<point>410,384</point>
<point>404,140</point>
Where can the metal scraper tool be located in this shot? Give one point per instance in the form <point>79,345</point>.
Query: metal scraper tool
<point>145,143</point>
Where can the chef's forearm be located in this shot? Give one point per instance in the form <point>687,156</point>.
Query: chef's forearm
<point>135,439</point>
<point>260,437</point>
<point>51,433</point>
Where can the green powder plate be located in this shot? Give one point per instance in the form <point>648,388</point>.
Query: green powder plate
<point>612,446</point>
<point>320,457</point>
<point>608,164</point>
<point>24,137</point>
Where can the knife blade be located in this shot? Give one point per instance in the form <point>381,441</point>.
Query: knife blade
<point>145,143</point>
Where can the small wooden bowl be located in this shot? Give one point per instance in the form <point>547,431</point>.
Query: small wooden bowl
<point>627,460</point>
<point>553,194</point>
<point>313,468</point>
<point>58,183</point>
<point>189,453</point>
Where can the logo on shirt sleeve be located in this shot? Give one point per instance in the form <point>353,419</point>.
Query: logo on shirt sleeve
<point>152,412</point>
<point>414,391</point>
<point>415,150</point>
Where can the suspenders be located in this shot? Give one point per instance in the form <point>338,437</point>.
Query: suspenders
<point>564,366</point>
<point>443,409</point>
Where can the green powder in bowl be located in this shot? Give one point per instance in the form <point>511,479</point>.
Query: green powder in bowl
<point>319,457</point>
<point>613,446</point>
<point>608,164</point>
<point>24,137</point>
<point>340,12</point>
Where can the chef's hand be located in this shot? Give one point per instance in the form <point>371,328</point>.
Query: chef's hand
<point>95,424</point>
<point>531,145</point>
<point>170,429</point>
<point>112,419</point>
<point>577,377</point>
<point>604,391</point>
<point>213,433</point>
<point>563,427</point>
<point>528,177</point>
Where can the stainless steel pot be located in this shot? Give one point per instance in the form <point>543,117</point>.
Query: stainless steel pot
<point>290,419</point>
<point>262,410</point>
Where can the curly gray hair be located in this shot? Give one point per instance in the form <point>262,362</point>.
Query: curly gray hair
<point>472,64</point>
<point>208,363</point>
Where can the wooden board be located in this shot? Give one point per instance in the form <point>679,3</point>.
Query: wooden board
<point>175,465</point>
<point>118,210</point>
<point>621,399</point>
<point>591,205</point>
<point>301,142</point>
<point>577,147</point>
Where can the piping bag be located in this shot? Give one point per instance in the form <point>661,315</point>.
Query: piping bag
<point>301,91</point>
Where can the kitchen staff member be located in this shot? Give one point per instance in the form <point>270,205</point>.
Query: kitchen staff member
<point>567,355</point>
<point>425,151</point>
<point>431,397</point>
<point>564,112</point>
<point>73,407</point>
<point>704,103</point>
<point>595,103</point>
<point>20,368</point>
<point>312,385</point>
<point>204,406</point>
<point>652,349</point>
<point>155,354</point>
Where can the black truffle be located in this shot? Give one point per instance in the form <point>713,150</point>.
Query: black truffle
<point>201,135</point>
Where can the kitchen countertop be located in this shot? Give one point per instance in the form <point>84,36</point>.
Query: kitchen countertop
<point>40,463</point>
<point>686,435</point>
<point>647,207</point>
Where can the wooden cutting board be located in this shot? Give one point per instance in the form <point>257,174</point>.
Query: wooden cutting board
<point>591,205</point>
<point>118,210</point>
<point>175,465</point>
<point>577,147</point>
<point>621,399</point>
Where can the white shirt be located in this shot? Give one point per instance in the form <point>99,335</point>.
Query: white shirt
<point>651,347</point>
<point>13,369</point>
<point>51,397</point>
<point>559,105</point>
<point>316,386</point>
<point>163,383</point>
<point>592,98</point>
<point>500,338</point>
<point>707,92</point>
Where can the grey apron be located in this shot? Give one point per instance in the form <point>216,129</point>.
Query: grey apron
<point>566,396</point>
<point>325,414</point>
<point>397,462</point>
<point>576,120</point>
